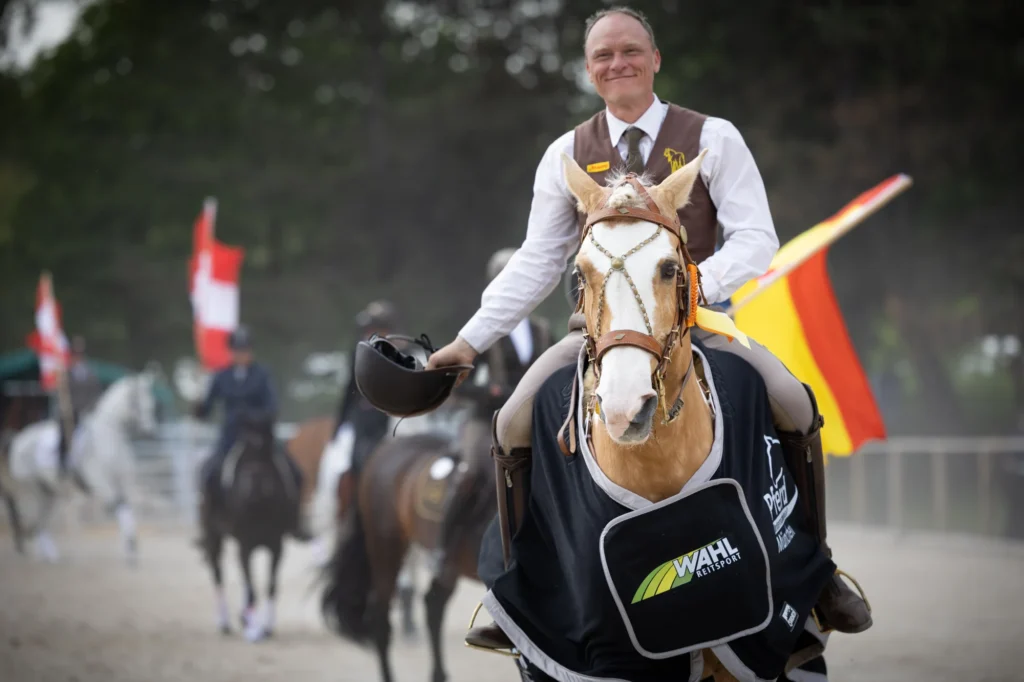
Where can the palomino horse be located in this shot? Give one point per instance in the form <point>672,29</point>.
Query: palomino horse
<point>255,509</point>
<point>102,454</point>
<point>627,482</point>
<point>398,502</point>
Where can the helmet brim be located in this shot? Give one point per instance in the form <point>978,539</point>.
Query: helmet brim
<point>400,391</point>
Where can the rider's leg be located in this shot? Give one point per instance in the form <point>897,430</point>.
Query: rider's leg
<point>209,489</point>
<point>210,476</point>
<point>63,447</point>
<point>515,418</point>
<point>798,424</point>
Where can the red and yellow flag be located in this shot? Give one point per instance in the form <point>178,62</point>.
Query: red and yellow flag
<point>792,310</point>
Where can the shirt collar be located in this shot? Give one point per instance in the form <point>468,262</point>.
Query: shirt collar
<point>650,122</point>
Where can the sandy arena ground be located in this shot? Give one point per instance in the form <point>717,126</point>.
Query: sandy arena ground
<point>946,608</point>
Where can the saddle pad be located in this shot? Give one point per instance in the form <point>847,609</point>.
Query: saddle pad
<point>688,573</point>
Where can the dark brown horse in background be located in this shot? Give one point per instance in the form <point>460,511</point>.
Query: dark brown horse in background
<point>398,501</point>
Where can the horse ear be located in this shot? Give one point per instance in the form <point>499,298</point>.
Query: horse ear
<point>588,193</point>
<point>674,192</point>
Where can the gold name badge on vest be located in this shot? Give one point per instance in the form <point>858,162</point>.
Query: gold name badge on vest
<point>598,167</point>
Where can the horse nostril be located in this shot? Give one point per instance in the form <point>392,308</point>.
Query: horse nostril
<point>646,411</point>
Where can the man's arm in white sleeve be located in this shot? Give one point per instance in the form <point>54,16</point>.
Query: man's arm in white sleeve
<point>737,190</point>
<point>536,268</point>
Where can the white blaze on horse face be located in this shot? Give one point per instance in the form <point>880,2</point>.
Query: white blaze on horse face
<point>625,384</point>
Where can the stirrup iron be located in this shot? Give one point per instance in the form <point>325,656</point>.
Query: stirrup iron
<point>510,653</point>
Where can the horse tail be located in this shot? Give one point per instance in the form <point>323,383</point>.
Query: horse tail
<point>348,577</point>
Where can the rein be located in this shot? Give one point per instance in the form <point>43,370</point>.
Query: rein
<point>689,294</point>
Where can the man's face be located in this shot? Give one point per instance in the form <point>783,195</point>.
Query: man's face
<point>621,61</point>
<point>242,357</point>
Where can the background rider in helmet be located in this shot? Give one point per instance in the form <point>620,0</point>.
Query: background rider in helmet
<point>488,386</point>
<point>367,424</point>
<point>243,388</point>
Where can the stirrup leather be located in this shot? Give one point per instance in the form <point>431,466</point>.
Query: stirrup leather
<point>511,653</point>
<point>824,628</point>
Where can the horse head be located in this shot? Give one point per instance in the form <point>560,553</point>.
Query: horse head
<point>130,402</point>
<point>256,430</point>
<point>638,293</point>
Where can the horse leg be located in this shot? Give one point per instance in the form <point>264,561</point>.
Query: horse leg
<point>249,617</point>
<point>129,538</point>
<point>269,613</point>
<point>406,589</point>
<point>213,550</point>
<point>380,629</point>
<point>45,545</point>
<point>435,601</point>
<point>17,530</point>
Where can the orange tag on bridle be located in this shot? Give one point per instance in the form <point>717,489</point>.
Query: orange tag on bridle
<point>693,294</point>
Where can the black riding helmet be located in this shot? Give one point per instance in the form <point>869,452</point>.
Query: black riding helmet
<point>396,383</point>
<point>240,339</point>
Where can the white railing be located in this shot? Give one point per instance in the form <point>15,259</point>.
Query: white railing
<point>870,487</point>
<point>167,465</point>
<point>889,462</point>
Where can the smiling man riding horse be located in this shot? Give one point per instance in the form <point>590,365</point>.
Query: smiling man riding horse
<point>641,134</point>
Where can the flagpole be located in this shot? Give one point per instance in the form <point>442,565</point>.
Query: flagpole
<point>848,223</point>
<point>64,407</point>
<point>192,424</point>
<point>210,204</point>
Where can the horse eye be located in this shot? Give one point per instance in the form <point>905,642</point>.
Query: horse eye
<point>669,270</point>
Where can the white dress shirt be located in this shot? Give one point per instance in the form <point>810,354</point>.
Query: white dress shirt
<point>522,340</point>
<point>552,235</point>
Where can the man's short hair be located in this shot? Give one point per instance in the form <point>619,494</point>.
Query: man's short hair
<point>619,9</point>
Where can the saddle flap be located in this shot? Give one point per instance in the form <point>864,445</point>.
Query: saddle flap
<point>688,573</point>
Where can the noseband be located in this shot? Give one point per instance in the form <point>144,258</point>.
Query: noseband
<point>688,294</point>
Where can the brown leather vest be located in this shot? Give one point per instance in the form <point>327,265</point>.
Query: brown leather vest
<point>678,142</point>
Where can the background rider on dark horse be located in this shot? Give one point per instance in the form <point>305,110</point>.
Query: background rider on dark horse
<point>368,424</point>
<point>246,390</point>
<point>505,363</point>
<point>84,390</point>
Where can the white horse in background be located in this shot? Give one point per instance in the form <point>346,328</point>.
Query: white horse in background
<point>101,453</point>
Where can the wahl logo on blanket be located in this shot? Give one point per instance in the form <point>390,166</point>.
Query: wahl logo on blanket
<point>681,570</point>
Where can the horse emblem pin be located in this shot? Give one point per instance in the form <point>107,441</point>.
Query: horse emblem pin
<point>676,160</point>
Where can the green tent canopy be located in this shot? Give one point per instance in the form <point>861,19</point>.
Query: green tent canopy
<point>23,365</point>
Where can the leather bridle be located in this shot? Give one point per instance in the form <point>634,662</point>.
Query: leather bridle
<point>689,294</point>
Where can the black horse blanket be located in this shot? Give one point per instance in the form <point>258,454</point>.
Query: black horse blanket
<point>605,585</point>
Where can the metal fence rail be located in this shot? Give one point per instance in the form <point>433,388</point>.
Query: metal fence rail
<point>946,484</point>
<point>949,483</point>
